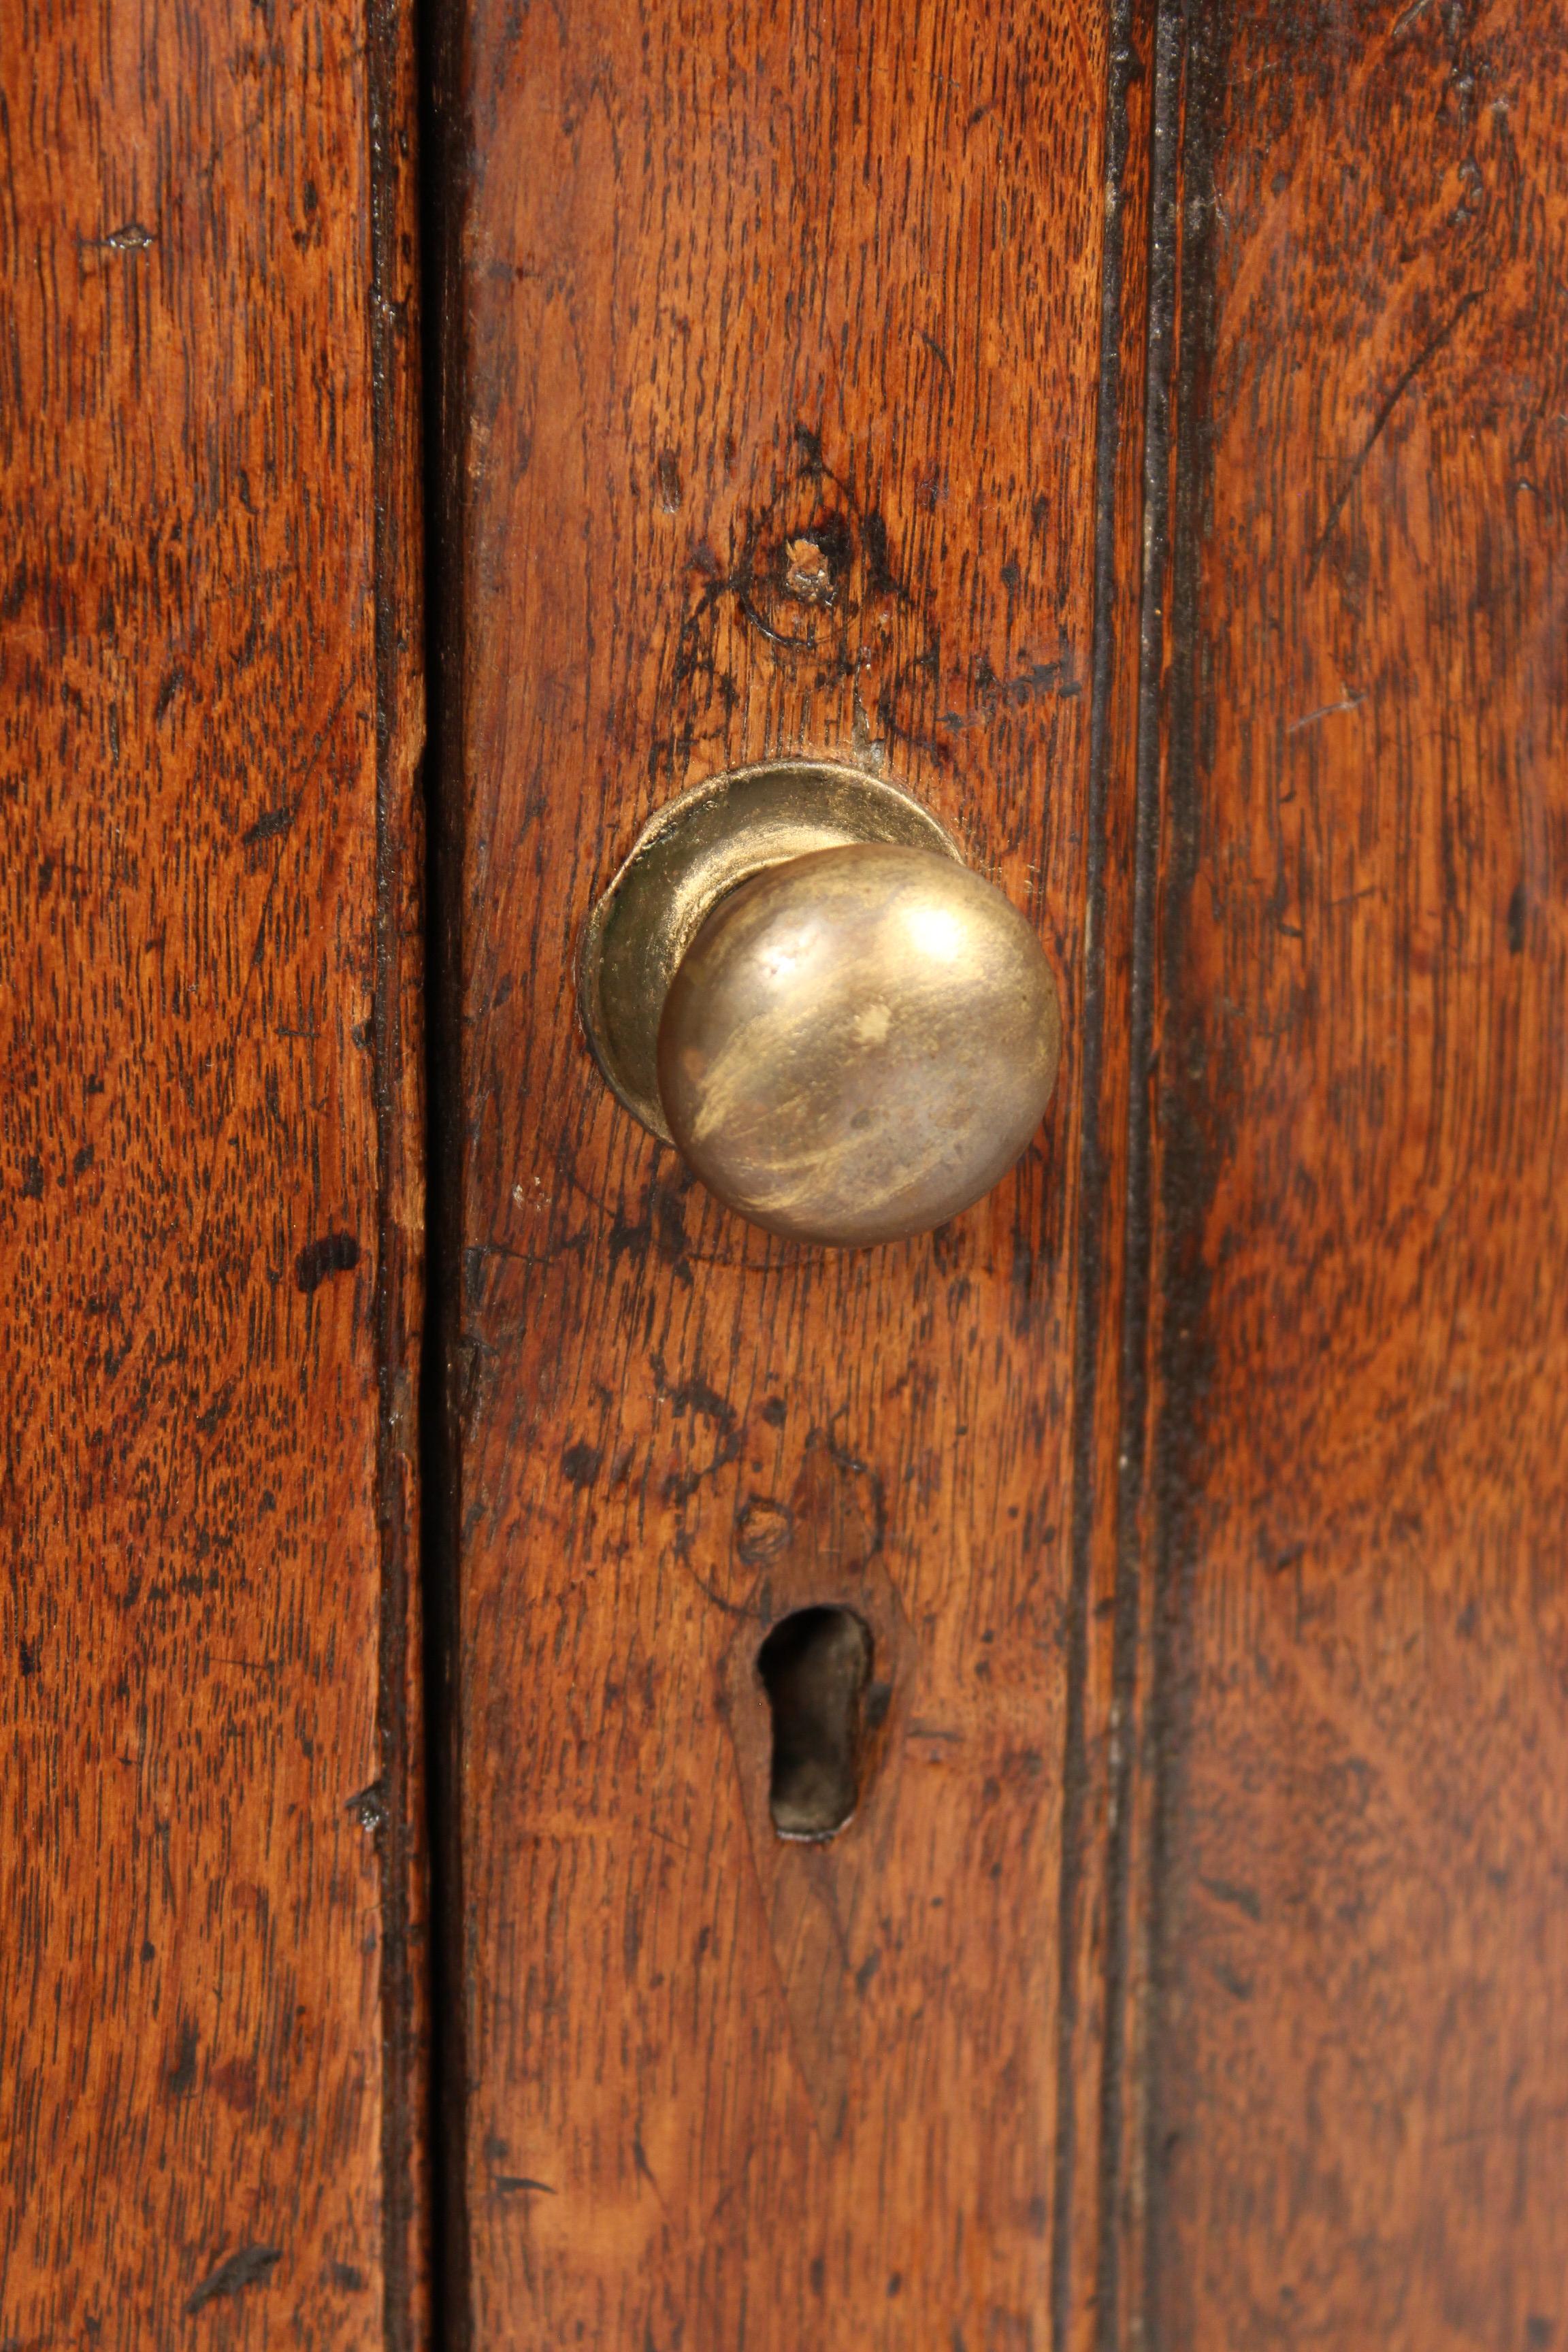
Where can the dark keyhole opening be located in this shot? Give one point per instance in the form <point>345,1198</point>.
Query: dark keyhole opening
<point>816,1666</point>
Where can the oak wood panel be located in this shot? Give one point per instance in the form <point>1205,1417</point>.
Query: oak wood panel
<point>1360,2124</point>
<point>209,717</point>
<point>723,280</point>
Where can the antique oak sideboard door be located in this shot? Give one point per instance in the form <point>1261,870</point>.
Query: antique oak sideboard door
<point>1002,1787</point>
<point>773,380</point>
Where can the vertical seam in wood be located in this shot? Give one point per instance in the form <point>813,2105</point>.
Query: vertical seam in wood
<point>1091,1171</point>
<point>443,147</point>
<point>1165,131</point>
<point>1185,1171</point>
<point>399,1833</point>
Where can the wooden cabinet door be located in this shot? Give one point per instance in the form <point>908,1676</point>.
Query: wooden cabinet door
<point>1170,402</point>
<point>736,297</point>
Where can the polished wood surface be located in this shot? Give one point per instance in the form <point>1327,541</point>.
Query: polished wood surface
<point>1356,1919</point>
<point>1141,434</point>
<point>209,713</point>
<point>737,300</point>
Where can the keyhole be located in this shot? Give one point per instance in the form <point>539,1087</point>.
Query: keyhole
<point>815,1665</point>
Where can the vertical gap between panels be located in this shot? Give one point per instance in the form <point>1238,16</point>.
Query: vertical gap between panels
<point>442,148</point>
<point>1091,1174</point>
<point>399,1829</point>
<point>1184,1177</point>
<point>1133,1390</point>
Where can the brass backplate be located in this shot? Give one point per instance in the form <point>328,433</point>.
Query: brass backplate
<point>685,860</point>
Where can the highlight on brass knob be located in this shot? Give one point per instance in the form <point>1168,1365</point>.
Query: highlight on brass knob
<point>849,1035</point>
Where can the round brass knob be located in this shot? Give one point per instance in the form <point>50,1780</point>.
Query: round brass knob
<point>857,1043</point>
<point>850,1035</point>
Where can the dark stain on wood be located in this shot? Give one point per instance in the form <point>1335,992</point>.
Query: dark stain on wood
<point>330,1254</point>
<point>252,2266</point>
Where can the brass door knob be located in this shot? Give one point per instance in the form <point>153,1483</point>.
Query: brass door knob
<point>848,1034</point>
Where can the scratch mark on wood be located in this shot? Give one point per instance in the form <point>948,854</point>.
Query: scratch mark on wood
<point>1429,350</point>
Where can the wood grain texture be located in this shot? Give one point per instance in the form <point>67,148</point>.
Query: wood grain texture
<point>209,715</point>
<point>724,281</point>
<point>1359,2129</point>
